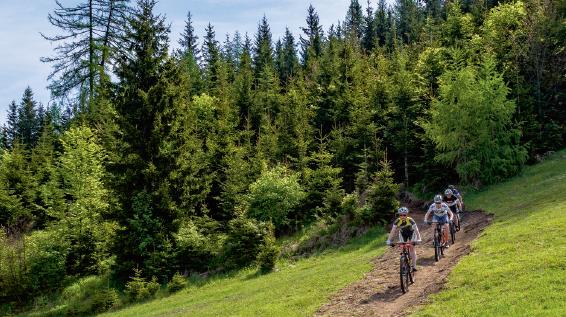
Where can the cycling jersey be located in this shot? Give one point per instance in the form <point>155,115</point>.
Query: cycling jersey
<point>451,201</point>
<point>440,211</point>
<point>406,229</point>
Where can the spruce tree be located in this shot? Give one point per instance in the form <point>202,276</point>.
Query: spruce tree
<point>263,49</point>
<point>355,20</point>
<point>28,127</point>
<point>311,45</point>
<point>148,100</point>
<point>189,40</point>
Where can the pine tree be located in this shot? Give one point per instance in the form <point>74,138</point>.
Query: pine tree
<point>471,125</point>
<point>148,101</point>
<point>12,124</point>
<point>189,40</point>
<point>408,20</point>
<point>382,27</point>
<point>369,30</point>
<point>263,49</point>
<point>28,128</point>
<point>287,61</point>
<point>311,45</point>
<point>93,31</point>
<point>354,20</point>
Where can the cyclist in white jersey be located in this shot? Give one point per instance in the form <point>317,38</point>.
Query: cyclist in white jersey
<point>441,214</point>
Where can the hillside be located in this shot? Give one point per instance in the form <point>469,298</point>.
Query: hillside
<point>517,267</point>
<point>513,268</point>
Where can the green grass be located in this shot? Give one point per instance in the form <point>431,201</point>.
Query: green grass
<point>296,289</point>
<point>518,266</point>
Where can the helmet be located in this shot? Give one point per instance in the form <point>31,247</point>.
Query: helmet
<point>448,192</point>
<point>437,199</point>
<point>403,211</point>
<point>451,187</point>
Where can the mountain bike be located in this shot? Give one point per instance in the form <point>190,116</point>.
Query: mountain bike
<point>453,230</point>
<point>405,270</point>
<point>438,246</point>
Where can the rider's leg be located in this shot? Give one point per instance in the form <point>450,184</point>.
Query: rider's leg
<point>413,256</point>
<point>445,234</point>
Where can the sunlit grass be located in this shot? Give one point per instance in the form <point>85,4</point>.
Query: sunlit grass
<point>297,288</point>
<point>518,266</point>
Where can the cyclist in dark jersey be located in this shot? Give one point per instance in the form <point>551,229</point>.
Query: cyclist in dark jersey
<point>453,202</point>
<point>456,192</point>
<point>408,231</point>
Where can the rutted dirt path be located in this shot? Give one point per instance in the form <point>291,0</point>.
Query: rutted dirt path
<point>379,293</point>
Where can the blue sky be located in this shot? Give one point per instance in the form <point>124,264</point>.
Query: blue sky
<point>21,22</point>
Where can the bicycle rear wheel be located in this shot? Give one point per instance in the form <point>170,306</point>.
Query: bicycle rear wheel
<point>453,232</point>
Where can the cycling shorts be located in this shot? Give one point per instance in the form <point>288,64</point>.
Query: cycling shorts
<point>440,219</point>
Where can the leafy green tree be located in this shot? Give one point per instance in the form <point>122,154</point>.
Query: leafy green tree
<point>472,125</point>
<point>273,195</point>
<point>381,201</point>
<point>78,199</point>
<point>16,183</point>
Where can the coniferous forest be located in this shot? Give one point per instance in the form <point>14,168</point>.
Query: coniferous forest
<point>153,163</point>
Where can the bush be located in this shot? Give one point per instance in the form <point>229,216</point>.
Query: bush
<point>177,283</point>
<point>138,289</point>
<point>31,265</point>
<point>90,295</point>
<point>274,195</point>
<point>268,254</point>
<point>198,244</point>
<point>246,238</point>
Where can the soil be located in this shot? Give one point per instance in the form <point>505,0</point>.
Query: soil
<point>379,292</point>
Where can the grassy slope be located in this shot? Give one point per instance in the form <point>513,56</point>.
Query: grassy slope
<point>518,266</point>
<point>296,289</point>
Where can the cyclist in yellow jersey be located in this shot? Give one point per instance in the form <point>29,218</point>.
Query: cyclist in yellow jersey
<point>408,232</point>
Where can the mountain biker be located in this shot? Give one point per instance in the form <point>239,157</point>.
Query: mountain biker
<point>456,192</point>
<point>453,202</point>
<point>441,214</point>
<point>408,231</point>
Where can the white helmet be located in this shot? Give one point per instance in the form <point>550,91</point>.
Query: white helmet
<point>403,211</point>
<point>437,199</point>
<point>448,192</point>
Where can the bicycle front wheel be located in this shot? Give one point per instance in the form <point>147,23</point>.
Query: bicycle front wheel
<point>404,271</point>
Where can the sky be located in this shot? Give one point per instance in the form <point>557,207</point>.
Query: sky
<point>21,21</point>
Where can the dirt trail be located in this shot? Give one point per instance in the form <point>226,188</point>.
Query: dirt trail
<point>379,293</point>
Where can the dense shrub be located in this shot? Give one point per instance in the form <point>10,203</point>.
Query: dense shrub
<point>246,239</point>
<point>268,254</point>
<point>90,295</point>
<point>139,289</point>
<point>31,265</point>
<point>177,283</point>
<point>198,244</point>
<point>273,195</point>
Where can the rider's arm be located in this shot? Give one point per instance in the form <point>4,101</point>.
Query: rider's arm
<point>427,215</point>
<point>391,233</point>
<point>417,233</point>
<point>459,204</point>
